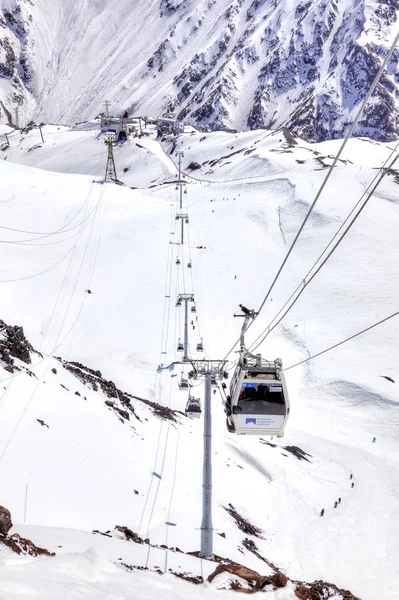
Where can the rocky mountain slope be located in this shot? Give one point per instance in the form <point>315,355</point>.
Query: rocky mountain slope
<point>249,64</point>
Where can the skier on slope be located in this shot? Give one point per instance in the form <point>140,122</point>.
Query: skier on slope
<point>351,476</point>
<point>322,512</point>
<point>339,500</point>
<point>335,504</point>
<point>374,439</point>
<point>352,485</point>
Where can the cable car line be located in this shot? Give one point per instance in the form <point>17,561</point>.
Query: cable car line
<point>326,179</point>
<point>305,282</point>
<point>58,230</point>
<point>41,272</point>
<point>54,349</point>
<point>395,314</point>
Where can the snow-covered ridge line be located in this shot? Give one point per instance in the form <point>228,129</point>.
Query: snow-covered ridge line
<point>306,65</point>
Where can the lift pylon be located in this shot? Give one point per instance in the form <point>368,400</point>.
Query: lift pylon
<point>212,371</point>
<point>110,170</point>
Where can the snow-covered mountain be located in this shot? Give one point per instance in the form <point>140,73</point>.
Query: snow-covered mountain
<point>78,452</point>
<point>245,64</point>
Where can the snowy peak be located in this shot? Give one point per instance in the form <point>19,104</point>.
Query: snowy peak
<point>251,64</point>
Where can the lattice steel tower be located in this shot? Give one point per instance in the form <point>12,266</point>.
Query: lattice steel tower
<point>110,171</point>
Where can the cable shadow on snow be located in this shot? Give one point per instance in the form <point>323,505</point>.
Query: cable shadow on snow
<point>250,460</point>
<point>360,397</point>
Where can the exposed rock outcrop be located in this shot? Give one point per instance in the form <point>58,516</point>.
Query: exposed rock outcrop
<point>13,344</point>
<point>22,545</point>
<point>5,521</point>
<point>15,542</point>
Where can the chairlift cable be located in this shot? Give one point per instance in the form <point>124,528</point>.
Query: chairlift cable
<point>395,314</point>
<point>48,354</point>
<point>59,231</point>
<point>48,366</point>
<point>158,377</point>
<point>41,272</point>
<point>46,233</point>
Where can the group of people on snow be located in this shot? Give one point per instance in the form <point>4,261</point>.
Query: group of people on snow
<point>337,502</point>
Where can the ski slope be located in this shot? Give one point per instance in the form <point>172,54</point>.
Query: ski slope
<point>82,472</point>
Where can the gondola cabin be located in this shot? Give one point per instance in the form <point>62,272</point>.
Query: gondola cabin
<point>183,383</point>
<point>193,408</point>
<point>259,402</point>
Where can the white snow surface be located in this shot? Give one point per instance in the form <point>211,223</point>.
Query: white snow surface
<point>74,233</point>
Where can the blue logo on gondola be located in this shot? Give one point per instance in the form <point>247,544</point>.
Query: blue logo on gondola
<point>249,385</point>
<point>250,421</point>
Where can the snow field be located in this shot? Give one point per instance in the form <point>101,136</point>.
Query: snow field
<point>82,472</point>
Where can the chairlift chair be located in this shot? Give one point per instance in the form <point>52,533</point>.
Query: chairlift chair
<point>200,347</point>
<point>180,346</point>
<point>178,302</point>
<point>177,261</point>
<point>186,219</point>
<point>189,265</point>
<point>258,403</point>
<point>193,309</point>
<point>185,191</point>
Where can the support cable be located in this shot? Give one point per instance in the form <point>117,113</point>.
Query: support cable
<point>395,314</point>
<point>328,175</point>
<point>45,371</point>
<point>372,187</point>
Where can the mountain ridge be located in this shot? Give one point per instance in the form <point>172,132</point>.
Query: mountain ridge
<point>303,64</point>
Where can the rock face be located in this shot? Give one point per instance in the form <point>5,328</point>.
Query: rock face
<point>21,545</point>
<point>13,344</point>
<point>244,64</point>
<point>5,521</point>
<point>15,542</point>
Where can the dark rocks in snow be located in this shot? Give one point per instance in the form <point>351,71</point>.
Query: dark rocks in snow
<point>193,166</point>
<point>297,452</point>
<point>15,542</point>
<point>13,344</point>
<point>5,520</point>
<point>252,547</point>
<point>130,535</point>
<point>42,423</point>
<point>388,378</point>
<point>120,402</point>
<point>24,546</point>
<point>242,523</point>
<point>196,579</point>
<point>319,590</point>
<point>255,581</point>
<point>289,137</point>
<point>104,533</point>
